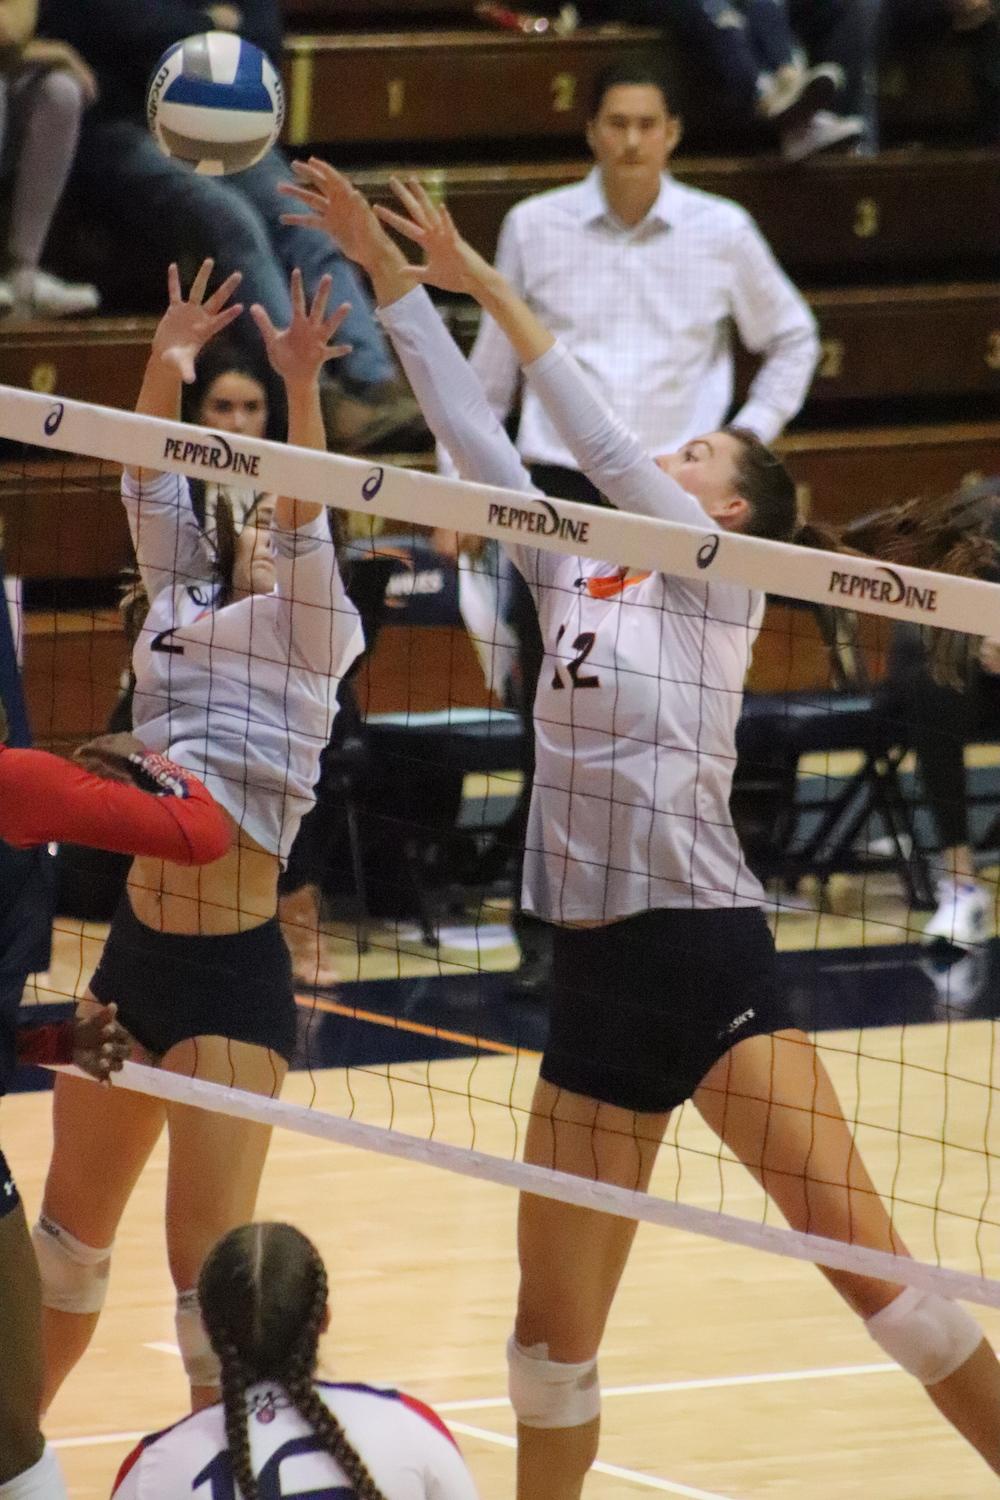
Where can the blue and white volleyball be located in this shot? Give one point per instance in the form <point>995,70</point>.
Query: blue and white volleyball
<point>215,102</point>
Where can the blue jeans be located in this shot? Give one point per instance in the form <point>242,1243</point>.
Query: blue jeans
<point>170,213</point>
<point>839,31</point>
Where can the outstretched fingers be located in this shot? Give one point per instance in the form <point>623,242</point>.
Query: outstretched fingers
<point>222,294</point>
<point>200,282</point>
<point>407,227</point>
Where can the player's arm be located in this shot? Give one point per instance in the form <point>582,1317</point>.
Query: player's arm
<point>436,1454</point>
<point>452,398</point>
<point>170,547</point>
<point>95,1042</point>
<point>773,320</point>
<point>45,799</point>
<point>307,577</point>
<point>188,324</point>
<point>606,450</point>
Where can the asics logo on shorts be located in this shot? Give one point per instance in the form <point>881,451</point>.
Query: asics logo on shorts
<point>738,1021</point>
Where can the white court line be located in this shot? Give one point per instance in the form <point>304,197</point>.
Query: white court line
<point>712,1383</point>
<point>720,1382</point>
<point>633,1476</point>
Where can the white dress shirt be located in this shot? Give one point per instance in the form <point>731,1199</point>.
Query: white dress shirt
<point>647,313</point>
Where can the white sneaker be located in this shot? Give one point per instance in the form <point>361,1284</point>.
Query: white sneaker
<point>795,94</point>
<point>958,982</point>
<point>962,919</point>
<point>39,294</point>
<point>822,132</point>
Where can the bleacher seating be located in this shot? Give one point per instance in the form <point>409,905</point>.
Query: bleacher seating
<point>898,255</point>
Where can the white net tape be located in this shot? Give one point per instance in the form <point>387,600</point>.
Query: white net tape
<point>899,593</point>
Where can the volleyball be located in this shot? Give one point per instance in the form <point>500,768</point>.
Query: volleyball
<point>215,102</point>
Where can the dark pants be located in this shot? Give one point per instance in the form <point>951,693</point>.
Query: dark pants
<point>167,212</point>
<point>939,721</point>
<point>838,31</point>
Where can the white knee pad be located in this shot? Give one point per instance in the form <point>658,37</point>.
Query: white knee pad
<point>74,1275</point>
<point>43,1481</point>
<point>200,1360</point>
<point>929,1336</point>
<point>546,1393</point>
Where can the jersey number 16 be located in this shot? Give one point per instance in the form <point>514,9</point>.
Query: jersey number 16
<point>218,1475</point>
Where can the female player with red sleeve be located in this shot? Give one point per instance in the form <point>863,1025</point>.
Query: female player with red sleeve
<point>118,797</point>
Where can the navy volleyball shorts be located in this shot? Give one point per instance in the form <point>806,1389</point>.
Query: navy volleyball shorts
<point>170,987</point>
<point>644,1007</point>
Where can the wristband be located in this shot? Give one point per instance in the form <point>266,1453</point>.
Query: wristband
<point>42,1046</point>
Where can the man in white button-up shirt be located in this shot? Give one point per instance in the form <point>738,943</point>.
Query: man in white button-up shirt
<point>641,278</point>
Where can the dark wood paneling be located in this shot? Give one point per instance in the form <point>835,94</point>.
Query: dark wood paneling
<point>453,87</point>
<point>63,520</point>
<point>835,218</point>
<point>72,673</point>
<point>443,87</point>
<point>93,359</point>
<point>844,474</point>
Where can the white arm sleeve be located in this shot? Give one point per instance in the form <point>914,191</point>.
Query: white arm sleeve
<point>317,619</point>
<point>492,356</point>
<point>170,547</point>
<point>457,411</point>
<point>773,320</point>
<point>609,454</point>
<point>451,396</point>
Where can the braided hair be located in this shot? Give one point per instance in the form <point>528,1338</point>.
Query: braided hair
<point>263,1294</point>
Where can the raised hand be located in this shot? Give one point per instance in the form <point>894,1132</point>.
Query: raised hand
<point>335,206</point>
<point>451,263</point>
<point>100,1043</point>
<point>189,323</point>
<point>298,352</point>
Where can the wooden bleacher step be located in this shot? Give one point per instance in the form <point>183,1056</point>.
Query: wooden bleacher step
<point>835,219</point>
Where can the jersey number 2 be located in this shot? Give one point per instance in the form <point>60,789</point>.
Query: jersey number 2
<point>219,1476</point>
<point>583,644</point>
<point>162,642</point>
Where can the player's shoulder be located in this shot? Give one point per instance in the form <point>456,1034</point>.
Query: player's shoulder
<point>555,205</point>
<point>209,1421</point>
<point>383,1398</point>
<point>699,208</point>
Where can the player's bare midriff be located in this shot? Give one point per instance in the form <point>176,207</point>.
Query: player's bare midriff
<point>235,893</point>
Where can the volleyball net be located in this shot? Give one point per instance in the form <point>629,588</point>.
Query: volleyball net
<point>825,798</point>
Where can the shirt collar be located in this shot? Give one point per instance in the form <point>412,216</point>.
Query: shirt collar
<point>664,211</point>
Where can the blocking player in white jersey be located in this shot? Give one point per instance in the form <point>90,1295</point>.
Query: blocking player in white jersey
<point>278,1430</point>
<point>236,669</point>
<point>665,984</point>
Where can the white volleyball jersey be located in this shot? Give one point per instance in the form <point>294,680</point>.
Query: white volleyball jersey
<point>404,1445</point>
<point>244,695</point>
<point>642,681</point>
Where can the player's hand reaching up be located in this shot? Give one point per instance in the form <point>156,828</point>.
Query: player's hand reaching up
<point>190,322</point>
<point>451,263</point>
<point>298,352</point>
<point>332,204</point>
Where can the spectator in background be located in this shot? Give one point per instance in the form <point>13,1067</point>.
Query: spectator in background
<point>170,213</point>
<point>761,52</point>
<point>45,86</point>
<point>641,277</point>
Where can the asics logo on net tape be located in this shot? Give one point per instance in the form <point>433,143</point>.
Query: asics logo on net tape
<point>53,419</point>
<point>888,588</point>
<point>212,452</point>
<point>705,556</point>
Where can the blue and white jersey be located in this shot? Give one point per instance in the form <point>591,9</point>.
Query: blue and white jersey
<point>404,1445</point>
<point>244,695</point>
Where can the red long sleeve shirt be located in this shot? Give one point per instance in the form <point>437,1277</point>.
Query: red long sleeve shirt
<point>46,799</point>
